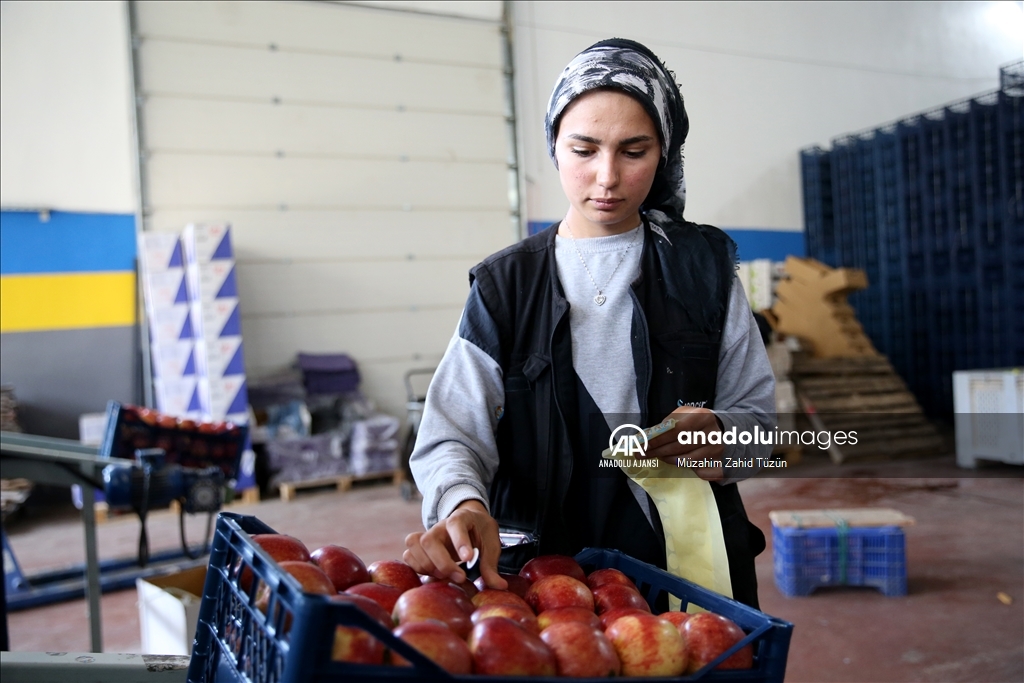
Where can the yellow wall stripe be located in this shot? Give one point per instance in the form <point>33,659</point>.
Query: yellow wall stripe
<point>32,303</point>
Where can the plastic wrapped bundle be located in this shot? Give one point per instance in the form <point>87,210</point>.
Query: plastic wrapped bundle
<point>304,459</point>
<point>374,446</point>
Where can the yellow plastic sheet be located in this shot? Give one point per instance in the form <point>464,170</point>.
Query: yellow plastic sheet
<point>694,544</point>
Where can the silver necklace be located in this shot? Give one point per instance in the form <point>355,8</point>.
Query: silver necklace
<point>600,298</point>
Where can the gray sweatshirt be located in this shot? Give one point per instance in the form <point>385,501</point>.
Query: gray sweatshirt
<point>456,453</point>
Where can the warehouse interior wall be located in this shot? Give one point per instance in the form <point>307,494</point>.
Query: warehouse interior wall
<point>761,80</point>
<point>67,225</point>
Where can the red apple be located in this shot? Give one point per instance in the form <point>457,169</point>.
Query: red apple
<point>500,647</point>
<point>647,646</point>
<point>394,573</point>
<point>310,577</point>
<point>616,596</point>
<point>437,643</point>
<point>559,590</point>
<point>341,565</point>
<point>676,618</point>
<point>467,587</point>
<point>491,596</point>
<point>546,565</point>
<point>521,615</point>
<point>516,584</point>
<point>452,590</point>
<point>602,576</point>
<point>581,651</point>
<point>280,547</point>
<point>424,603</point>
<point>353,644</point>
<point>566,614</point>
<point>385,596</point>
<point>709,635</point>
<point>611,615</point>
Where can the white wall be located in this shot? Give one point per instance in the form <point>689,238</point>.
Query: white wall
<point>65,107</point>
<point>762,80</point>
<point>487,10</point>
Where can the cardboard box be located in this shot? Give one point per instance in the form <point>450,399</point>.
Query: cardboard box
<point>205,243</point>
<point>213,280</point>
<point>160,251</point>
<point>169,611</point>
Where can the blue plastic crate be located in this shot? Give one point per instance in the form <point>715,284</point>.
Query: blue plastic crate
<point>806,559</point>
<point>237,643</point>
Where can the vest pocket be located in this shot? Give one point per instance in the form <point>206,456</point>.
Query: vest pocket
<point>688,345</point>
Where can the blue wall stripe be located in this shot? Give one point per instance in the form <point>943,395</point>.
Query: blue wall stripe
<point>752,244</point>
<point>770,244</point>
<point>69,242</point>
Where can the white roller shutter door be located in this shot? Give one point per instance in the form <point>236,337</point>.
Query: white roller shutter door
<point>359,154</point>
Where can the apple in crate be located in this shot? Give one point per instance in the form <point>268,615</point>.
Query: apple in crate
<point>385,596</point>
<point>616,596</point>
<point>501,647</point>
<point>709,635</point>
<point>601,577</point>
<point>676,618</point>
<point>516,584</point>
<point>280,547</point>
<point>438,644</point>
<point>490,596</point>
<point>548,565</point>
<point>454,592</point>
<point>341,565</point>
<point>611,615</point>
<point>559,590</point>
<point>647,645</point>
<point>422,603</point>
<point>394,573</point>
<point>353,644</point>
<point>311,578</point>
<point>521,615</point>
<point>568,614</point>
<point>581,651</point>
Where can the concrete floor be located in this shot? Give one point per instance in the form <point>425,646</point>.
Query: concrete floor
<point>967,546</point>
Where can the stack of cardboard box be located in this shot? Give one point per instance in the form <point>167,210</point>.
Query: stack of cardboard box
<point>171,332</point>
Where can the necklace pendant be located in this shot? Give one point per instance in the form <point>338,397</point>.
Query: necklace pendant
<point>600,299</point>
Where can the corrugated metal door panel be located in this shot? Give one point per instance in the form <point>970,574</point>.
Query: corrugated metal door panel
<point>261,75</point>
<point>369,336</point>
<point>330,288</point>
<point>298,235</point>
<point>227,126</point>
<point>360,186</point>
<point>339,30</point>
<point>245,182</point>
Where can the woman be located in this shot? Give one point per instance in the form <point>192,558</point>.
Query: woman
<point>623,312</point>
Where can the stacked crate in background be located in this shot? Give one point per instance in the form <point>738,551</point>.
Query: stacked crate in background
<point>171,332</point>
<point>213,291</point>
<point>932,209</point>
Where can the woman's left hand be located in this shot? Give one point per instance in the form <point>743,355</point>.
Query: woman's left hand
<point>666,447</point>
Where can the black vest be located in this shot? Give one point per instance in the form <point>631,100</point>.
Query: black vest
<point>551,433</point>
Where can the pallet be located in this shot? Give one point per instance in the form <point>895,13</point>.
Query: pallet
<point>341,483</point>
<point>864,395</point>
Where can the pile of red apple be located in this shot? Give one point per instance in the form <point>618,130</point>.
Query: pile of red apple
<point>552,620</point>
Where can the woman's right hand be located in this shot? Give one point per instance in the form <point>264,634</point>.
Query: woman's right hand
<point>435,552</point>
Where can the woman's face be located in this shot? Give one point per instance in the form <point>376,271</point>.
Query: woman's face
<point>607,151</point>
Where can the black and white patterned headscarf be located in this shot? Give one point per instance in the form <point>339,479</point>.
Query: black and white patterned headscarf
<point>630,67</point>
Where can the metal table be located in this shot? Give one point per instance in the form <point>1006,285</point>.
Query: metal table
<point>62,462</point>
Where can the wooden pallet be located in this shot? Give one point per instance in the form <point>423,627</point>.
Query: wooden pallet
<point>341,483</point>
<point>865,395</point>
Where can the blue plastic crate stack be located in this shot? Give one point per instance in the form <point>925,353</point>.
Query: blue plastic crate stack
<point>932,209</point>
